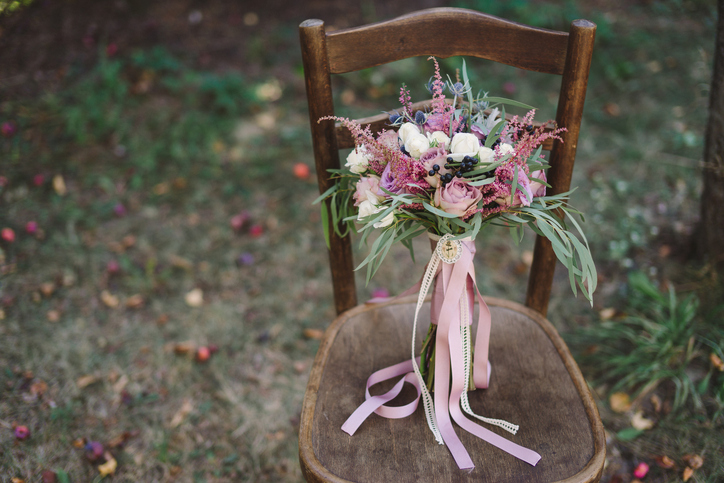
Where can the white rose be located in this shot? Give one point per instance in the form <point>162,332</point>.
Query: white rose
<point>505,148</point>
<point>443,141</point>
<point>417,145</point>
<point>486,155</point>
<point>358,160</point>
<point>366,208</point>
<point>386,221</point>
<point>464,142</point>
<point>405,130</point>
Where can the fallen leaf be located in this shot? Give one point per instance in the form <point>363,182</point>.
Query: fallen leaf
<point>128,241</point>
<point>109,299</point>
<point>184,410</point>
<point>79,443</point>
<point>135,301</point>
<point>203,354</point>
<point>716,362</point>
<point>181,348</point>
<point>300,366</point>
<point>85,381</point>
<point>53,316</point>
<point>656,403</point>
<point>607,314</point>
<point>641,423</point>
<point>121,439</point>
<point>665,462</point>
<point>161,188</point>
<point>612,109</point>
<point>120,384</point>
<point>277,436</point>
<point>162,319</point>
<point>109,467</point>
<point>195,298</point>
<point>59,185</point>
<point>316,334</point>
<point>688,473</point>
<point>641,470</point>
<point>17,480</point>
<point>38,388</point>
<point>180,262</point>
<point>620,402</point>
<point>47,288</point>
<point>694,461</point>
<point>49,477</point>
<point>301,171</point>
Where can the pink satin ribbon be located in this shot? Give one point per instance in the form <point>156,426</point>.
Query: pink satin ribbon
<point>455,282</point>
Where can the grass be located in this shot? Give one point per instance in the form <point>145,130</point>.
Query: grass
<point>134,170</point>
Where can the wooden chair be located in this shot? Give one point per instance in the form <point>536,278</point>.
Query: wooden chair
<point>544,391</point>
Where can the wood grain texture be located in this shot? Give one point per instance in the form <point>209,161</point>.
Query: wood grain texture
<point>563,154</point>
<point>535,383</point>
<point>446,32</point>
<point>326,152</point>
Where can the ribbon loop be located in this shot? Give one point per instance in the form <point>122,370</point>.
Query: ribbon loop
<point>454,295</point>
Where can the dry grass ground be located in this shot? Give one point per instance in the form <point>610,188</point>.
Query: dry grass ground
<point>138,260</point>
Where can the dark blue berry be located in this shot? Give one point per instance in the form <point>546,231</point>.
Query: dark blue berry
<point>459,174</point>
<point>436,167</point>
<point>431,172</point>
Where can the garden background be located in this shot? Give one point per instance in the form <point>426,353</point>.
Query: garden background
<point>163,275</point>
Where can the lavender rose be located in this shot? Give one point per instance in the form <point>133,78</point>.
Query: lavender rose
<point>457,197</point>
<point>388,182</point>
<point>434,122</point>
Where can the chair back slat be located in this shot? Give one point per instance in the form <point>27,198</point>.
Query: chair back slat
<point>447,32</point>
<point>563,154</point>
<point>444,32</point>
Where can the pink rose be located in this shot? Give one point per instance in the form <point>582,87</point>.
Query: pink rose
<point>523,194</point>
<point>366,185</point>
<point>537,188</point>
<point>432,157</point>
<point>457,197</point>
<point>389,139</point>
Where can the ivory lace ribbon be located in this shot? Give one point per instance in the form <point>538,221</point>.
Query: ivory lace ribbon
<point>454,290</point>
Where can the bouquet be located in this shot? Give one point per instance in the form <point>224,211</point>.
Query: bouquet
<point>449,172</point>
<point>454,170</point>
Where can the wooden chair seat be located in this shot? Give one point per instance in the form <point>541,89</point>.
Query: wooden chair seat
<point>535,383</point>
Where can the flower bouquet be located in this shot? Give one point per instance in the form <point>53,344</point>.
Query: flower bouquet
<point>449,172</point>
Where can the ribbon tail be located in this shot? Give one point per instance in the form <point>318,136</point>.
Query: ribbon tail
<point>520,452</point>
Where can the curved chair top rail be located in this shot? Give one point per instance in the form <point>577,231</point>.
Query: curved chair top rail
<point>447,32</point>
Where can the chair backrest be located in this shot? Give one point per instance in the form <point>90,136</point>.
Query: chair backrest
<point>444,32</point>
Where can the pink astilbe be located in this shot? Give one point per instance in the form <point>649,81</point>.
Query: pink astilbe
<point>490,207</point>
<point>527,142</point>
<point>382,153</point>
<point>406,100</point>
<point>405,171</point>
<point>439,106</point>
<point>441,115</point>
